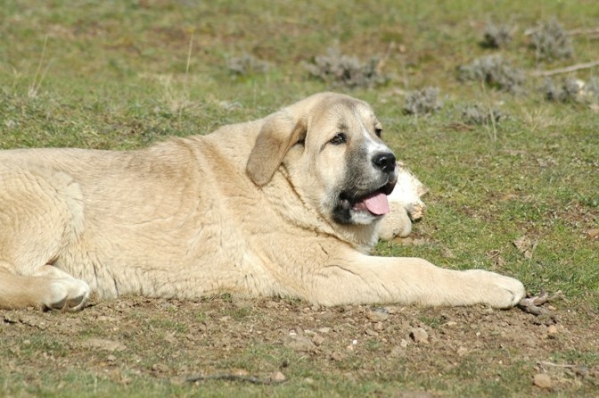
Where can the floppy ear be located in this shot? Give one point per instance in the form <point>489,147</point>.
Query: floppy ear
<point>279,133</point>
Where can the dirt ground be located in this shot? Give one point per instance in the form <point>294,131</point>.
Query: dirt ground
<point>131,338</point>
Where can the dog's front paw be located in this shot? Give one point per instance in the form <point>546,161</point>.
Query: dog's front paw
<point>498,291</point>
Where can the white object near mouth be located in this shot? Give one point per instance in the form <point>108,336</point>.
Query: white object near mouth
<point>406,205</point>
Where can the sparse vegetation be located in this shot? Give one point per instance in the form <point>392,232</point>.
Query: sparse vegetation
<point>123,74</point>
<point>571,90</point>
<point>477,115</point>
<point>495,72</point>
<point>247,64</point>
<point>347,71</point>
<point>497,36</point>
<point>422,102</point>
<point>550,41</point>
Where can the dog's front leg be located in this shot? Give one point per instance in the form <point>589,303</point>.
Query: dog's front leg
<point>360,279</point>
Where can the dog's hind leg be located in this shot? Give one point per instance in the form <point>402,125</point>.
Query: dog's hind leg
<point>41,212</point>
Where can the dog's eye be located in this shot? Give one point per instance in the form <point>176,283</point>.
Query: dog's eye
<point>301,142</point>
<point>339,139</point>
<point>378,131</point>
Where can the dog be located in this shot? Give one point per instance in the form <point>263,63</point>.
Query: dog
<point>288,205</point>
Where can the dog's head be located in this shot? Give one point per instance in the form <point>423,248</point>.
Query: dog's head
<point>331,148</point>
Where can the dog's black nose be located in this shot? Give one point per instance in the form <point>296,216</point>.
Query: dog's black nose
<point>384,161</point>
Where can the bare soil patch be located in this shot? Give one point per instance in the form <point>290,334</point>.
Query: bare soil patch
<point>278,340</point>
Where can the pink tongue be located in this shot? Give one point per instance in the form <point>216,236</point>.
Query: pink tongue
<point>377,204</point>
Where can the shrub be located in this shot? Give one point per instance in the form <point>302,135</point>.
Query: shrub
<point>497,36</point>
<point>247,64</point>
<point>422,102</point>
<point>348,71</point>
<point>550,41</point>
<point>494,71</point>
<point>475,115</point>
<point>571,90</point>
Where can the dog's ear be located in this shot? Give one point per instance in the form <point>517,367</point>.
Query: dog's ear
<point>279,133</point>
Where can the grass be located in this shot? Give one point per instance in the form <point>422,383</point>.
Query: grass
<point>121,75</point>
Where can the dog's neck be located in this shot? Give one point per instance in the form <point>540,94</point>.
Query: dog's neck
<point>293,208</point>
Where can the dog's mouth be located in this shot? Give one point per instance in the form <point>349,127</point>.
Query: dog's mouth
<point>375,203</point>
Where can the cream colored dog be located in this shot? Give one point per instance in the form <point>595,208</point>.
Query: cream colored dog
<point>288,205</point>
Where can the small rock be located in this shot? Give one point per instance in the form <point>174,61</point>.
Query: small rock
<point>338,356</point>
<point>111,358</point>
<point>551,330</point>
<point>159,368</point>
<point>419,335</point>
<point>299,343</point>
<point>104,345</point>
<point>324,330</point>
<point>351,345</point>
<point>542,380</point>
<point>397,351</point>
<point>371,332</point>
<point>450,323</point>
<point>170,338</point>
<point>391,309</point>
<point>403,343</point>
<point>462,351</point>
<point>378,326</point>
<point>377,315</point>
<point>278,377</point>
<point>318,339</point>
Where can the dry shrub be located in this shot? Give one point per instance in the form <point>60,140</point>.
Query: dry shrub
<point>422,102</point>
<point>246,65</point>
<point>497,36</point>
<point>339,69</point>
<point>571,90</point>
<point>476,115</point>
<point>494,71</point>
<point>550,41</point>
